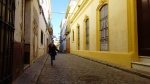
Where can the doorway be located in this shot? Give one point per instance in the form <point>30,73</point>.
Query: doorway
<point>143,17</point>
<point>27,34</point>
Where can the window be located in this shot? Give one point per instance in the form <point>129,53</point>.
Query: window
<point>7,44</point>
<point>87,34</point>
<point>3,9</point>
<point>41,37</point>
<point>78,37</point>
<point>104,28</point>
<point>41,10</point>
<point>73,35</point>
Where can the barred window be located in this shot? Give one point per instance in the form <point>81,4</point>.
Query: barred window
<point>3,9</point>
<point>87,34</point>
<point>41,37</point>
<point>104,28</point>
<point>7,14</point>
<point>73,35</point>
<point>78,37</point>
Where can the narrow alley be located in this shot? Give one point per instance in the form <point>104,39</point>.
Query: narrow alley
<point>72,69</point>
<point>107,41</point>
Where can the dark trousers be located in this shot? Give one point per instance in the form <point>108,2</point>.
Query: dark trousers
<point>52,58</point>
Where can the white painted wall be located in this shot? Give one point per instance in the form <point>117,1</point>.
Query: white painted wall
<point>63,27</point>
<point>19,23</point>
<point>46,6</point>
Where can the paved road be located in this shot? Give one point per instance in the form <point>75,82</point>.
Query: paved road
<point>71,69</point>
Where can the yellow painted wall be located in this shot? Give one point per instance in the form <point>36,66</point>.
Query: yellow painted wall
<point>40,52</point>
<point>118,31</point>
<point>92,28</point>
<point>122,59</point>
<point>118,21</point>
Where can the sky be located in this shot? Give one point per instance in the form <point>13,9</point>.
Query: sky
<point>58,6</point>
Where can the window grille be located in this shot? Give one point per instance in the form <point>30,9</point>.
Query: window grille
<point>7,10</point>
<point>104,28</point>
<point>87,34</point>
<point>78,37</point>
<point>73,35</point>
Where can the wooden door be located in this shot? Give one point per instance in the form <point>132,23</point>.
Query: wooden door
<point>143,17</point>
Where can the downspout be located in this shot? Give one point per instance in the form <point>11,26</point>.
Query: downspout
<point>23,31</point>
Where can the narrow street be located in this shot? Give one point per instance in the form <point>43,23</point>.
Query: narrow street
<point>71,69</point>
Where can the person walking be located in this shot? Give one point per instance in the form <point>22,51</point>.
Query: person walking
<point>52,52</point>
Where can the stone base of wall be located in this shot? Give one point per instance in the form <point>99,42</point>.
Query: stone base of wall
<point>18,64</point>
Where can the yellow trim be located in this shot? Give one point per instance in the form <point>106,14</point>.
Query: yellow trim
<point>108,27</point>
<point>101,4</point>
<point>77,12</point>
<point>68,9</point>
<point>132,29</point>
<point>80,10</point>
<point>68,29</point>
<point>121,59</point>
<point>132,26</point>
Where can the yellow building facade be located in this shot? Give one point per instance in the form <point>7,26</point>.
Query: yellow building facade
<point>121,45</point>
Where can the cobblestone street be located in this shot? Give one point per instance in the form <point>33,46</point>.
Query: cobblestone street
<point>70,69</point>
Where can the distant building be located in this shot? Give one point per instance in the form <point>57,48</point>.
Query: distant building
<point>57,42</point>
<point>63,27</point>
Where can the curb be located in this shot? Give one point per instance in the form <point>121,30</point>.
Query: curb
<point>39,72</point>
<point>130,70</point>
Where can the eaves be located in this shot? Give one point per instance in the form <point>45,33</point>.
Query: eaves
<point>81,9</point>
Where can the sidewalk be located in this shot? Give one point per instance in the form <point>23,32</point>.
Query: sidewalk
<point>32,73</point>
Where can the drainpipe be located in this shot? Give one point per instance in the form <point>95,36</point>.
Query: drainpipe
<point>22,24</point>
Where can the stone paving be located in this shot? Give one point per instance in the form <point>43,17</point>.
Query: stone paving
<point>71,69</point>
<point>32,73</point>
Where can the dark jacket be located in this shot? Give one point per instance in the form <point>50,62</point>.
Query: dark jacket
<point>52,50</point>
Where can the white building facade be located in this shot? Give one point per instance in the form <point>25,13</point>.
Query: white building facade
<point>45,26</point>
<point>63,27</point>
